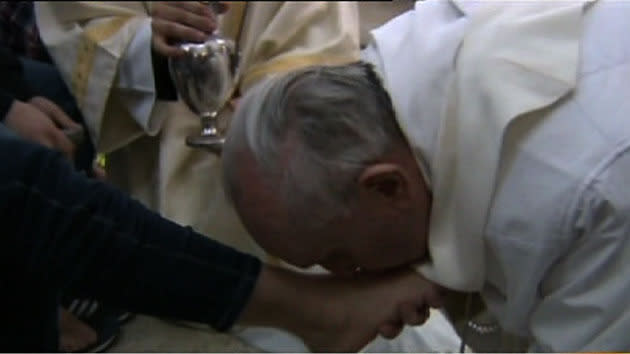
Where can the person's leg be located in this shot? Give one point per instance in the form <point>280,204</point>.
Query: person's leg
<point>45,80</point>
<point>80,236</point>
<point>30,318</point>
<point>30,315</point>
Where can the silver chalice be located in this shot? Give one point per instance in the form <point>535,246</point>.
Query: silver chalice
<point>205,78</point>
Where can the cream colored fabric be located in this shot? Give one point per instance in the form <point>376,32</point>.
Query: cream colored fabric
<point>505,42</point>
<point>510,59</point>
<point>283,36</point>
<point>88,40</point>
<point>87,56</point>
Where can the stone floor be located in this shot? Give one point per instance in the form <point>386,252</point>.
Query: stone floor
<point>149,335</point>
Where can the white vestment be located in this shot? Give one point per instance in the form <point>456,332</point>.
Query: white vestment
<point>103,52</point>
<point>534,99</point>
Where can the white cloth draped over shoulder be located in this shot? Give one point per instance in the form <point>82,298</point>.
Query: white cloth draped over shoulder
<point>475,66</point>
<point>103,52</point>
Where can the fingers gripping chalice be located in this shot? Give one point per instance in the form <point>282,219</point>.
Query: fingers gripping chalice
<point>205,78</point>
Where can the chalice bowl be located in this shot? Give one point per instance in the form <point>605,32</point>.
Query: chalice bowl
<point>205,79</point>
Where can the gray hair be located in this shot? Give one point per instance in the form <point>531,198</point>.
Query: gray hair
<point>311,132</point>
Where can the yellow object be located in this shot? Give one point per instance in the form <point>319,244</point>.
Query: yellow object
<point>101,160</point>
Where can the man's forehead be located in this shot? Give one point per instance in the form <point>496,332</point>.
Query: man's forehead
<point>252,180</point>
<point>258,199</point>
<point>263,208</point>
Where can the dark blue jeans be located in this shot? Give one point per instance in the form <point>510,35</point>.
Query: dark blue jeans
<point>64,233</point>
<point>45,80</point>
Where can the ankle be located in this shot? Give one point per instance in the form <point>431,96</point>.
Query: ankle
<point>299,303</point>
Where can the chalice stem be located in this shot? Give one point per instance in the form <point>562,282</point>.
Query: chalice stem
<point>209,124</point>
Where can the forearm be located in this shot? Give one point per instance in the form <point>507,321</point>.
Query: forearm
<point>88,239</point>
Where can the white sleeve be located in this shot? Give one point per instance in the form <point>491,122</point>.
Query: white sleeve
<point>585,299</point>
<point>136,83</point>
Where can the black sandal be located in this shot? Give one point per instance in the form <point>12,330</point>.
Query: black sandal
<point>103,321</point>
<point>84,308</point>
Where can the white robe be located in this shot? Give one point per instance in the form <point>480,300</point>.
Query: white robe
<point>103,52</point>
<point>554,247</point>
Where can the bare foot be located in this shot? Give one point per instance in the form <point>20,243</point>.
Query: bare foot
<point>74,335</point>
<point>359,309</point>
<point>334,314</point>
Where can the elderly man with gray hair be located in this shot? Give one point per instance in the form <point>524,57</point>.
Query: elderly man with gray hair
<point>484,143</point>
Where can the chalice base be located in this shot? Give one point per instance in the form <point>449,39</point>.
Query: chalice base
<point>211,143</point>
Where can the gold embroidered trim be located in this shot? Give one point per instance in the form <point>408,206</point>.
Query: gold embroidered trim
<point>89,40</point>
<point>257,72</point>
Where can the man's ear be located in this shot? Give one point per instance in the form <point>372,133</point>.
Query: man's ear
<point>388,182</point>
